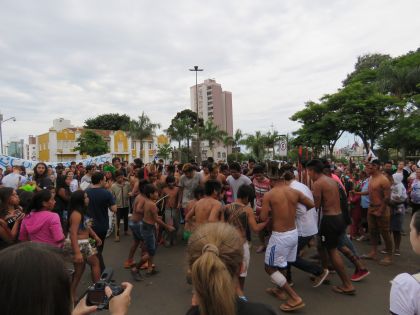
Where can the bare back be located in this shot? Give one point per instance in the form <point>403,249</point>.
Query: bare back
<point>206,210</point>
<point>138,208</point>
<point>150,212</point>
<point>327,195</point>
<point>283,200</point>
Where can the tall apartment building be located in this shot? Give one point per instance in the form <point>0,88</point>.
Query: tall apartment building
<point>214,104</point>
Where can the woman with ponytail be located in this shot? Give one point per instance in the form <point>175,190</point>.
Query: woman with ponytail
<point>215,254</point>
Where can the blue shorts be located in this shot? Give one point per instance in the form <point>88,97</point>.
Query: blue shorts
<point>135,227</point>
<point>149,237</point>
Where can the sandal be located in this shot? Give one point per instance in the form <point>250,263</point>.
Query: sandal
<point>341,291</point>
<point>287,307</point>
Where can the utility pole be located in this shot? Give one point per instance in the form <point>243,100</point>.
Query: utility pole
<point>196,69</point>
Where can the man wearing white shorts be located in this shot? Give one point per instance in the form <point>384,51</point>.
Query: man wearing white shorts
<point>281,249</point>
<point>282,246</point>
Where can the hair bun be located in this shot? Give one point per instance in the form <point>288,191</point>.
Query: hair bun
<point>211,248</point>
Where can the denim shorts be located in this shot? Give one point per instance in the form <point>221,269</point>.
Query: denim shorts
<point>135,227</point>
<point>149,237</point>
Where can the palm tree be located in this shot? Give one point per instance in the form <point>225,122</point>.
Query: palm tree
<point>176,132</point>
<point>142,128</point>
<point>271,139</point>
<point>256,143</point>
<point>227,141</point>
<point>211,133</point>
<point>164,151</point>
<point>237,139</point>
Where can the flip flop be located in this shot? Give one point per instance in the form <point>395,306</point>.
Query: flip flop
<point>287,307</point>
<point>273,292</point>
<point>341,291</point>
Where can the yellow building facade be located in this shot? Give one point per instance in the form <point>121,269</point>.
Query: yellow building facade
<point>58,144</point>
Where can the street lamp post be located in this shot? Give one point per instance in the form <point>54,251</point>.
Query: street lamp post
<point>196,69</point>
<point>1,133</point>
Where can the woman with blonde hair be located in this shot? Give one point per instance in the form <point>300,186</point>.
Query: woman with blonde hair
<point>215,254</point>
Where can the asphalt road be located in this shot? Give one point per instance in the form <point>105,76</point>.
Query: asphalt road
<point>168,293</point>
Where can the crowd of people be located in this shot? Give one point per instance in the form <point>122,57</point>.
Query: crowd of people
<point>69,214</point>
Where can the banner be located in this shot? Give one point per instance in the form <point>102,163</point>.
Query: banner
<point>6,161</point>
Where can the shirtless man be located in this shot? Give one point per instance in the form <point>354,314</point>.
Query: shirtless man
<point>214,174</point>
<point>282,246</point>
<point>209,208</point>
<point>135,225</point>
<point>171,209</point>
<point>379,214</point>
<point>332,225</point>
<point>150,219</point>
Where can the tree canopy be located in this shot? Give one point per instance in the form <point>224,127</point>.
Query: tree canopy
<point>108,122</point>
<point>379,102</point>
<point>91,143</point>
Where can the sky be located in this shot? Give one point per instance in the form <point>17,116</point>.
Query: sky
<point>79,59</point>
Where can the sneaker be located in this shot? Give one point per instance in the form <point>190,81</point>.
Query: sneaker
<point>397,253</point>
<point>117,238</point>
<point>321,278</point>
<point>384,252</point>
<point>128,263</point>
<point>135,274</point>
<point>360,275</point>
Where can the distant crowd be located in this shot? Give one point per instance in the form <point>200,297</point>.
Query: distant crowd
<point>56,216</point>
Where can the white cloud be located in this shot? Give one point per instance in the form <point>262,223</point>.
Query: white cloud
<point>77,59</point>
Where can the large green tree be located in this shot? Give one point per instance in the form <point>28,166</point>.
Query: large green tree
<point>142,128</point>
<point>91,143</point>
<point>183,126</point>
<point>108,122</point>
<point>321,125</point>
<point>364,111</point>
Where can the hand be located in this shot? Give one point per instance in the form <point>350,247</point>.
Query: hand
<point>170,228</point>
<point>20,217</point>
<point>118,305</point>
<point>82,309</point>
<point>98,241</point>
<point>78,258</point>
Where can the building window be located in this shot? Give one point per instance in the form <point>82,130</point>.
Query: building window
<point>224,155</point>
<point>219,155</point>
<point>120,146</point>
<point>150,146</point>
<point>133,145</point>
